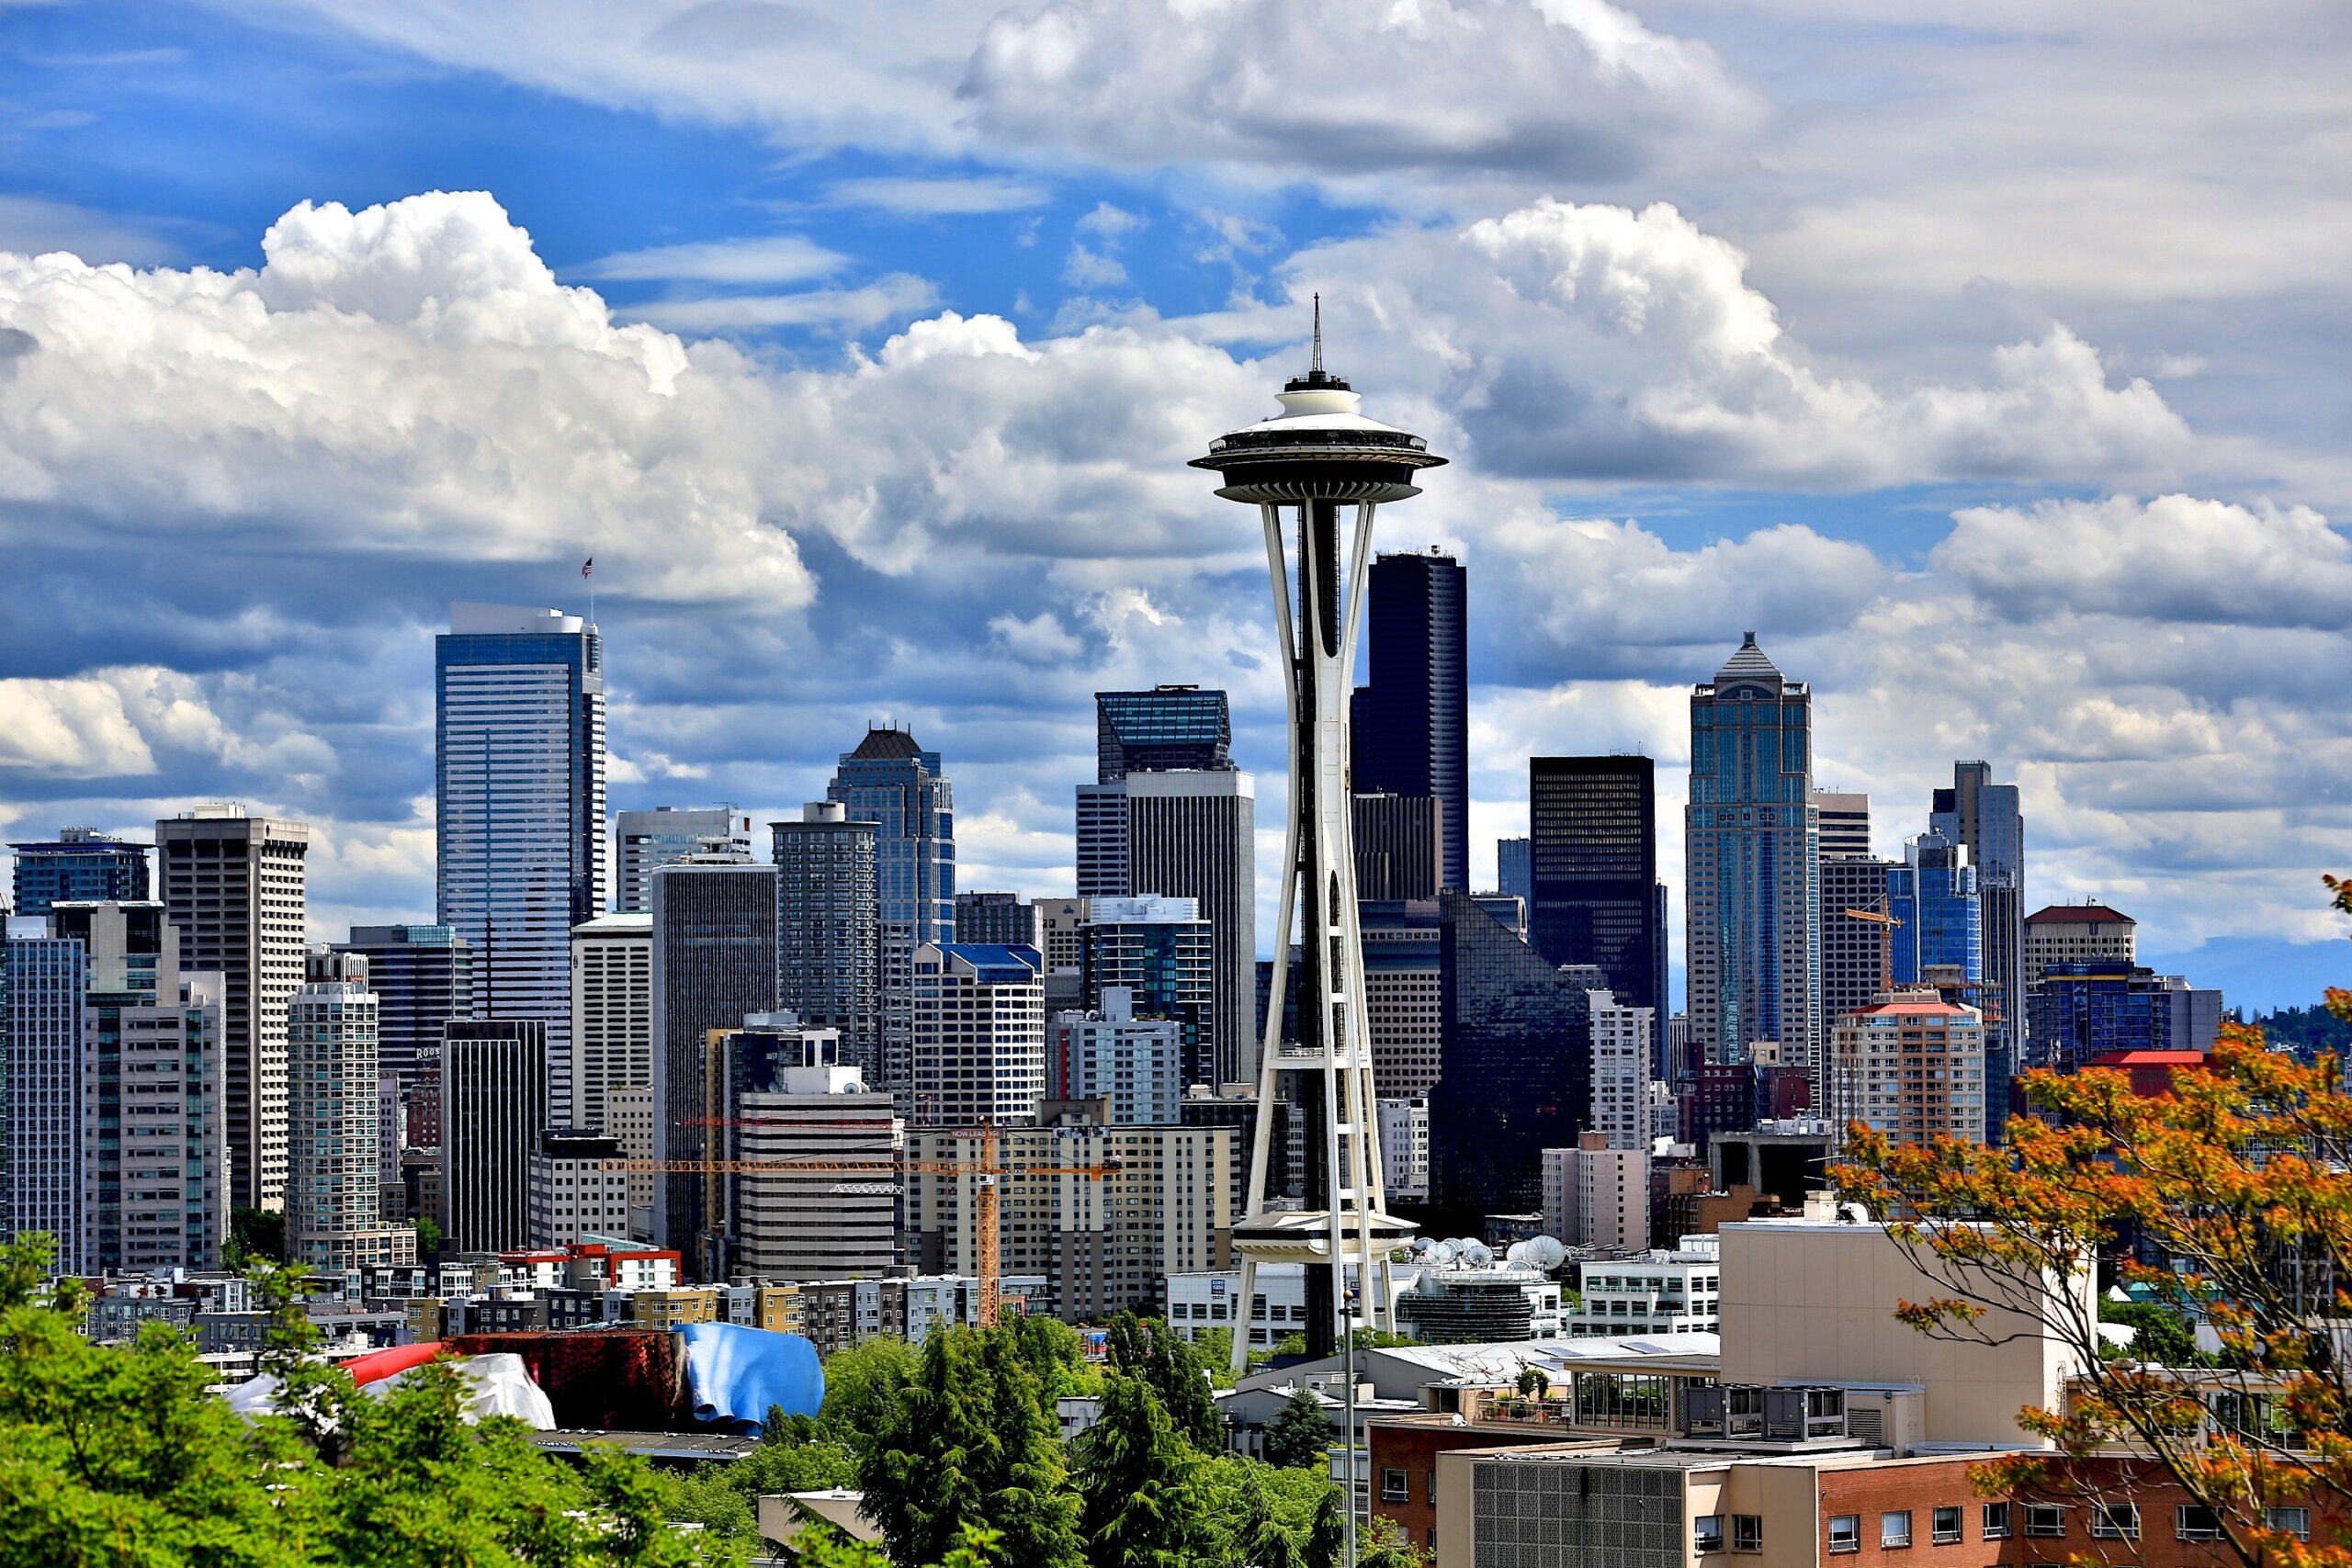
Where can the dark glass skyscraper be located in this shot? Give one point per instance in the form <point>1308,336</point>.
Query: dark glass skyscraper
<point>423,978</point>
<point>1164,729</point>
<point>1592,831</point>
<point>1411,718</point>
<point>1985,819</point>
<point>891,782</point>
<point>80,866</point>
<point>1515,1075</point>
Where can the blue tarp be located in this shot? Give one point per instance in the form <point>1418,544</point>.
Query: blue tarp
<point>734,1374</point>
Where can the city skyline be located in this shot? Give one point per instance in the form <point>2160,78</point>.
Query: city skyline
<point>1921,419</point>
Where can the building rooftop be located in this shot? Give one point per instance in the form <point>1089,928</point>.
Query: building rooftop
<point>1748,664</point>
<point>887,745</point>
<point>607,925</point>
<point>2079,914</point>
<point>2148,1059</point>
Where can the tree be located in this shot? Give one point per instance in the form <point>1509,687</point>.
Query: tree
<point>1327,1539</point>
<point>255,1235</point>
<point>1136,1478</point>
<point>964,1443</point>
<point>1301,1435</point>
<point>2160,1335</point>
<point>428,1238</point>
<point>119,1454</point>
<point>1148,1349</point>
<point>2236,1188</point>
<point>861,1384</point>
<point>1383,1545</point>
<point>1534,1382</point>
<point>1243,1496</point>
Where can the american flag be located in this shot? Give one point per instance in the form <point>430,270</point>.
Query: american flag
<point>587,567</point>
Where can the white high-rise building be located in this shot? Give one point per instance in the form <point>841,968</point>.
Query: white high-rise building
<point>1404,1147</point>
<point>575,1194</point>
<point>520,793</point>
<point>644,840</point>
<point>612,1013</point>
<point>1621,1072</point>
<point>979,1035</point>
<point>233,887</point>
<point>1598,1196</point>
<point>334,1215</point>
<point>1136,1064</point>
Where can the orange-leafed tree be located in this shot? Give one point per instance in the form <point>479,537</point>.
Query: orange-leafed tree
<point>2230,1201</point>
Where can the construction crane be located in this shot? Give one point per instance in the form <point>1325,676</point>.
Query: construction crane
<point>1886,924</point>
<point>988,1169</point>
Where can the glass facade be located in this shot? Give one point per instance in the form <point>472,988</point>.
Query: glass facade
<point>79,867</point>
<point>1934,894</point>
<point>1166,728</point>
<point>520,740</point>
<point>1411,720</point>
<point>422,977</point>
<point>1163,953</point>
<point>1516,1070</point>
<point>893,782</point>
<point>1985,819</point>
<point>1593,856</point>
<point>1752,881</point>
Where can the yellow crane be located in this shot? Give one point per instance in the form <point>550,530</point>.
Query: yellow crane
<point>1886,924</point>
<point>988,1168</point>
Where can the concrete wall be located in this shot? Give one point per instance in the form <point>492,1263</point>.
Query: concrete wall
<point>1815,1301</point>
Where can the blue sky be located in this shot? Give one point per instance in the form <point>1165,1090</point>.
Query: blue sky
<point>1992,368</point>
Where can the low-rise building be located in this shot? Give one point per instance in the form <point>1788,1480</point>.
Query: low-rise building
<point>1649,1293</point>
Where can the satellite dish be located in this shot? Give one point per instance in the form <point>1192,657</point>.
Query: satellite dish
<point>1546,1253</point>
<point>1422,1244</point>
<point>1517,1254</point>
<point>1477,1254</point>
<point>1440,1253</point>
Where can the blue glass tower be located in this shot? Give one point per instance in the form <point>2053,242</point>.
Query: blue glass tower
<point>1753,883</point>
<point>1934,894</point>
<point>79,867</point>
<point>891,782</point>
<point>1166,729</point>
<point>1412,717</point>
<point>520,740</point>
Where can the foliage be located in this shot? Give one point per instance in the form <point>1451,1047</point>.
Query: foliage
<point>1167,1363</point>
<point>1056,1353</point>
<point>2162,1336</point>
<point>2238,1186</point>
<point>1534,1382</point>
<point>861,1384</point>
<point>2307,1031</point>
<point>965,1443</point>
<point>1137,1480</point>
<point>821,1546</point>
<point>1327,1539</point>
<point>117,1454</point>
<point>255,1235</point>
<point>1301,1435</point>
<point>428,1238</point>
<point>1264,1515</point>
<point>1213,1347</point>
<point>1383,1545</point>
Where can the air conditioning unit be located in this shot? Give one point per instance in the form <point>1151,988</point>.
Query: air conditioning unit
<point>1887,1415</point>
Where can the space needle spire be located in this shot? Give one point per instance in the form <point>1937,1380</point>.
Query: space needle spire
<point>1300,469</point>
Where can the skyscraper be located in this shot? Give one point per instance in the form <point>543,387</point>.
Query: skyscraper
<point>49,986</point>
<point>1845,818</point>
<point>520,787</point>
<point>1752,882</point>
<point>714,964</point>
<point>1399,845</point>
<point>612,1013</point>
<point>1165,730</point>
<point>1194,835</point>
<point>1515,868</point>
<point>1402,1014</point>
<point>493,1108</point>
<point>1516,1071</point>
<point>80,864</point>
<point>1412,717</point>
<point>1857,956</point>
<point>827,929</point>
<point>894,784</point>
<point>334,1218</point>
<point>1593,856</point>
<point>233,885</point>
<point>1163,955</point>
<point>1988,821</point>
<point>790,1224</point>
<point>1621,1072</point>
<point>643,840</point>
<point>979,1035</point>
<point>422,977</point>
<point>1934,894</point>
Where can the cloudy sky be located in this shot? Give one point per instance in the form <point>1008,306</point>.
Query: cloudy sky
<point>1996,367</point>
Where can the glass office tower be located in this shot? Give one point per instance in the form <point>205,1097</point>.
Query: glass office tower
<point>1411,718</point>
<point>520,740</point>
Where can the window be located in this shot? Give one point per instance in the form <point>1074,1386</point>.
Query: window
<point>2296,1522</point>
<point>1845,1532</point>
<point>1894,1527</point>
<point>1709,1535</point>
<point>2047,1520</point>
<point>1394,1487</point>
<point>2192,1521</point>
<point>1944,1528</point>
<point>1748,1532</point>
<point>2115,1521</point>
<point>1997,1521</point>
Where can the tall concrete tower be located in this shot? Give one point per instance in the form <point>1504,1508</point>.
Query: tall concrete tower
<point>1299,468</point>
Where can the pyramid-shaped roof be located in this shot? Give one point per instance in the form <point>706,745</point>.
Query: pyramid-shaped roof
<point>1748,664</point>
<point>887,745</point>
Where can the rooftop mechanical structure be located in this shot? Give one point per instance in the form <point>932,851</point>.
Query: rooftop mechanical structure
<point>1300,469</point>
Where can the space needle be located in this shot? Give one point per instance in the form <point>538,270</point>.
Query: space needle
<point>1300,469</point>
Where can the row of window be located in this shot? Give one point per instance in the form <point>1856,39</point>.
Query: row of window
<point>2047,1521</point>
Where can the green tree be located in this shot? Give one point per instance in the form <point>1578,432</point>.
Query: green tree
<point>1534,1382</point>
<point>862,1384</point>
<point>1136,1479</point>
<point>1327,1539</point>
<point>1383,1545</point>
<point>428,1238</point>
<point>1239,1499</point>
<point>1301,1435</point>
<point>2161,1335</point>
<point>255,1235</point>
<point>964,1443</point>
<point>1148,1349</point>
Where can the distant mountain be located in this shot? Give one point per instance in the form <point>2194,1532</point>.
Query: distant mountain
<point>2260,975</point>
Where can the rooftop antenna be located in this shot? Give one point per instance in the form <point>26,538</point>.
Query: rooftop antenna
<point>1314,364</point>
